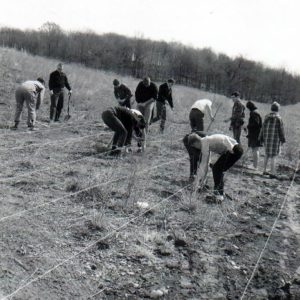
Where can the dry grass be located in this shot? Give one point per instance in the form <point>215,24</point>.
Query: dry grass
<point>55,232</point>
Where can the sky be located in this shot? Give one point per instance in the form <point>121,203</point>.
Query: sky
<point>262,30</point>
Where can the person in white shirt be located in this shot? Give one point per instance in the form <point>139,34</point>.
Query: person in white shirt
<point>230,152</point>
<point>198,110</point>
<point>32,93</point>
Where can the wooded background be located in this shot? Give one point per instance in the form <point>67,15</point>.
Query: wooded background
<point>139,57</point>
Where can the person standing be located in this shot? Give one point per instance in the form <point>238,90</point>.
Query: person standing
<point>164,94</point>
<point>237,117</point>
<point>230,152</point>
<point>197,112</point>
<point>122,93</point>
<point>57,82</point>
<point>272,135</point>
<point>123,122</point>
<point>32,93</point>
<point>253,128</point>
<point>145,96</point>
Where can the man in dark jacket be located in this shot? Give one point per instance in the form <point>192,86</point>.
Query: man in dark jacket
<point>122,93</point>
<point>123,122</point>
<point>145,96</point>
<point>164,94</point>
<point>57,81</point>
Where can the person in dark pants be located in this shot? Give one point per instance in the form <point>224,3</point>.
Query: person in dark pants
<point>164,94</point>
<point>254,127</point>
<point>122,93</point>
<point>237,117</point>
<point>123,122</point>
<point>197,113</point>
<point>194,153</point>
<point>57,82</point>
<point>230,152</point>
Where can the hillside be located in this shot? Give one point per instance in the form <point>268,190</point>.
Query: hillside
<point>76,224</point>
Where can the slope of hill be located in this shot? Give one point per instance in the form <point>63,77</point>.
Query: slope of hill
<point>76,224</point>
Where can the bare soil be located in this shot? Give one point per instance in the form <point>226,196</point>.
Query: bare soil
<point>78,224</point>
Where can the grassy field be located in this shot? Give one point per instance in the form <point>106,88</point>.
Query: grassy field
<point>76,224</point>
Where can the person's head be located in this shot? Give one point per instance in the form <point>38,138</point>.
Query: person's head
<point>146,81</point>
<point>141,123</point>
<point>194,140</point>
<point>60,67</point>
<point>275,106</point>
<point>116,82</point>
<point>251,106</point>
<point>235,96</point>
<point>41,80</point>
<point>170,82</point>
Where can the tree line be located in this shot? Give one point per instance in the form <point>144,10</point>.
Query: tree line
<point>138,57</point>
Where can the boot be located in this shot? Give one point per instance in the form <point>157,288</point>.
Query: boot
<point>15,127</point>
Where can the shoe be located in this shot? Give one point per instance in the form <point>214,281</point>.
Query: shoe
<point>128,150</point>
<point>192,178</point>
<point>219,198</point>
<point>140,150</point>
<point>115,152</point>
<point>32,128</point>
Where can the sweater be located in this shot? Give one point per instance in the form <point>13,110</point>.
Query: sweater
<point>144,93</point>
<point>58,80</point>
<point>165,93</point>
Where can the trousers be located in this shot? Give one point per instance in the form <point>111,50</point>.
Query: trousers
<point>225,162</point>
<point>30,98</point>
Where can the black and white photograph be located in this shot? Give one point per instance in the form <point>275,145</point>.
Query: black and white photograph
<point>150,150</point>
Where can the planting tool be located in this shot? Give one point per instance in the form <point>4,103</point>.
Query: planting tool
<point>68,116</point>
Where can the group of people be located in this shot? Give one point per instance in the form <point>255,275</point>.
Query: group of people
<point>269,133</point>
<point>32,93</point>
<point>128,123</point>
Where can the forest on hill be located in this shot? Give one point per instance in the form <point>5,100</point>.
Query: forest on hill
<point>137,57</point>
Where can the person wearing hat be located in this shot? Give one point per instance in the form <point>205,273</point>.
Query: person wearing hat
<point>57,82</point>
<point>164,94</point>
<point>272,135</point>
<point>122,93</point>
<point>230,152</point>
<point>123,122</point>
<point>197,112</point>
<point>237,116</point>
<point>253,128</point>
<point>145,96</point>
<point>32,93</point>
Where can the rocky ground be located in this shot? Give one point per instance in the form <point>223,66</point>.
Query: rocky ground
<point>78,224</point>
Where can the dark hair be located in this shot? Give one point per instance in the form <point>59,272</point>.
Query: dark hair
<point>141,122</point>
<point>171,80</point>
<point>235,94</point>
<point>251,106</point>
<point>41,80</point>
<point>275,106</point>
<point>116,82</point>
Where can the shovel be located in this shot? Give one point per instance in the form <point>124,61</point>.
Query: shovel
<point>68,116</point>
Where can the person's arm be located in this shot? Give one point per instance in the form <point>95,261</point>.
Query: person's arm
<point>138,93</point>
<point>281,132</point>
<point>67,85</point>
<point>50,83</point>
<point>154,91</point>
<point>127,92</point>
<point>209,112</point>
<point>203,168</point>
<point>40,98</point>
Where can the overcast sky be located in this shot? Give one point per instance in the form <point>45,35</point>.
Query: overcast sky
<point>264,30</point>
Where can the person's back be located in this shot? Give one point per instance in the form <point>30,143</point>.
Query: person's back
<point>202,105</point>
<point>197,112</point>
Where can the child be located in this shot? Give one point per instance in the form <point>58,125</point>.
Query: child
<point>271,135</point>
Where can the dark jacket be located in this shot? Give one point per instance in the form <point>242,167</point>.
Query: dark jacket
<point>122,92</point>
<point>165,93</point>
<point>144,93</point>
<point>129,121</point>
<point>254,127</point>
<point>58,81</point>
